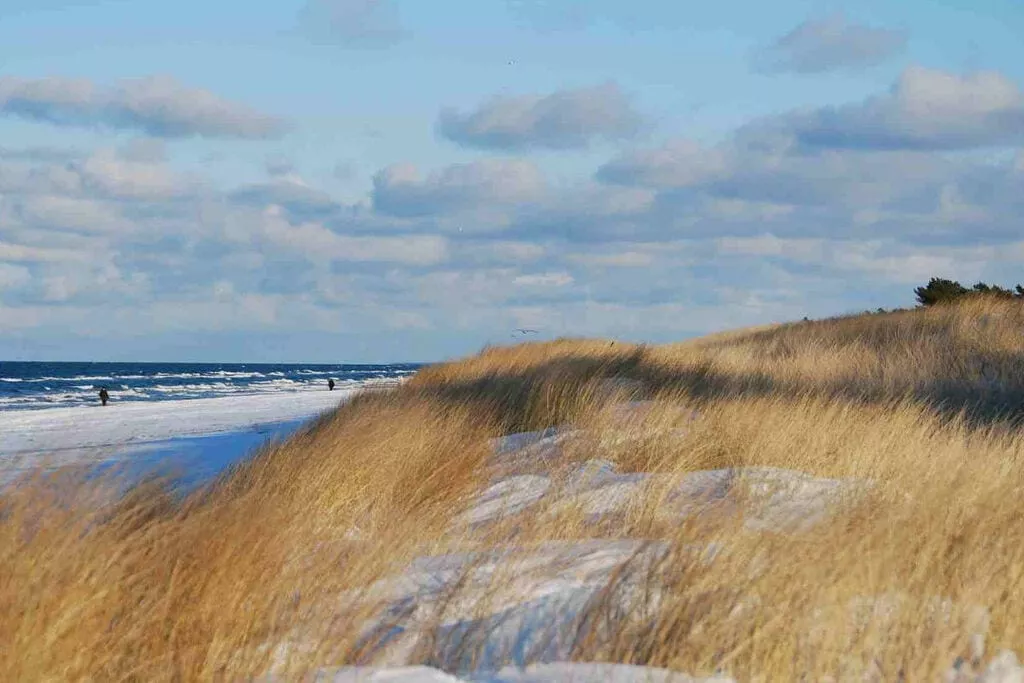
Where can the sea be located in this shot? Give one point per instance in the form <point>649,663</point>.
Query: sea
<point>40,385</point>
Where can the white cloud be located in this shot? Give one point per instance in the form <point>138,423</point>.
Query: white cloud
<point>831,43</point>
<point>679,163</point>
<point>156,105</point>
<point>907,268</point>
<point>500,251</point>
<point>96,281</point>
<point>28,254</point>
<point>745,179</point>
<point>799,191</point>
<point>73,214</point>
<point>543,280</point>
<point>13,276</point>
<point>925,109</point>
<point>770,245</point>
<point>19,317</point>
<point>110,175</point>
<point>566,119</point>
<point>400,190</point>
<point>408,320</point>
<point>317,243</point>
<point>240,312</point>
<point>223,290</point>
<point>59,288</point>
<point>953,208</point>
<point>289,191</point>
<point>144,151</point>
<point>625,259</point>
<point>886,259</point>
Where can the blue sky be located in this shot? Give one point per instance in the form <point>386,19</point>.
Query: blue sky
<point>386,180</point>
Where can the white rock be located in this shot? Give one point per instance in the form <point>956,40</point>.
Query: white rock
<point>407,674</point>
<point>556,672</point>
<point>507,497</point>
<point>566,672</point>
<point>1004,668</point>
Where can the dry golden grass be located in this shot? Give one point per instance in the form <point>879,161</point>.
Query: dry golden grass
<point>155,589</point>
<point>925,404</point>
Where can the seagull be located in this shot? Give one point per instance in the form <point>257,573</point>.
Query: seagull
<point>526,331</point>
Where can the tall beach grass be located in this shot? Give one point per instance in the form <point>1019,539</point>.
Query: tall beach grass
<point>268,561</point>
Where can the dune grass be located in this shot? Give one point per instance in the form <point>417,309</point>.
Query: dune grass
<point>925,404</point>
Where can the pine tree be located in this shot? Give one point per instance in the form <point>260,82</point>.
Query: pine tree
<point>992,290</point>
<point>939,291</point>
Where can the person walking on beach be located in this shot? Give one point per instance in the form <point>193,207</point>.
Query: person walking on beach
<point>330,385</point>
<point>104,396</point>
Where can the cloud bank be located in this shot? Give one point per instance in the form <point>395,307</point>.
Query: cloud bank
<point>661,241</point>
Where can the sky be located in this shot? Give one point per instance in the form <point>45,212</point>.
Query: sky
<point>399,180</point>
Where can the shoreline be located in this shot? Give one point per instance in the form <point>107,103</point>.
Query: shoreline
<point>154,431</point>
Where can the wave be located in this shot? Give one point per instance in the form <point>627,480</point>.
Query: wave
<point>71,395</point>
<point>158,375</point>
<point>202,375</point>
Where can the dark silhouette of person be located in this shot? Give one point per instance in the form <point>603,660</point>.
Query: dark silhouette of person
<point>330,384</point>
<point>104,396</point>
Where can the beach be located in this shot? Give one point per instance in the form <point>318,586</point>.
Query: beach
<point>200,435</point>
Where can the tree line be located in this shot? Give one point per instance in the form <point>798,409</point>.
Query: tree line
<point>940,291</point>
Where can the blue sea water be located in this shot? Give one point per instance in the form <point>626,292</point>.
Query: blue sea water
<point>37,385</point>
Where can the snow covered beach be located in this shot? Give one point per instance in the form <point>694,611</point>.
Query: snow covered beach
<point>196,416</point>
<point>61,436</point>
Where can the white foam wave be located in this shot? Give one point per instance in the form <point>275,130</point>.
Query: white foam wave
<point>79,395</point>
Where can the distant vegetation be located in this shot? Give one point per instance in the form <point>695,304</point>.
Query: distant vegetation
<point>940,291</point>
